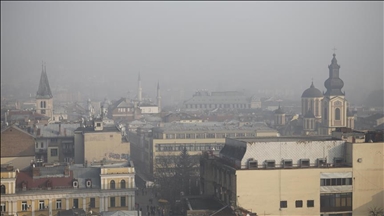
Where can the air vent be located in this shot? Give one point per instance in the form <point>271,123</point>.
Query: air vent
<point>321,162</point>
<point>252,164</point>
<point>338,162</point>
<point>269,164</point>
<point>304,162</point>
<point>287,163</point>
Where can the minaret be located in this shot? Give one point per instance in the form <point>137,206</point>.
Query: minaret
<point>158,97</point>
<point>139,90</point>
<point>44,98</point>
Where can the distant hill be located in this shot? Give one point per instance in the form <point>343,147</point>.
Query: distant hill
<point>375,99</point>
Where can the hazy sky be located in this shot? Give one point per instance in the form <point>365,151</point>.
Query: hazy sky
<point>192,45</point>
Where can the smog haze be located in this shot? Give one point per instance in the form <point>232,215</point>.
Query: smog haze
<point>99,48</point>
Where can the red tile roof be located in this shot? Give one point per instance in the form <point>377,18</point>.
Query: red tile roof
<point>56,182</point>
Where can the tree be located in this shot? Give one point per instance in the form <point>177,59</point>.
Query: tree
<point>376,211</point>
<point>173,175</point>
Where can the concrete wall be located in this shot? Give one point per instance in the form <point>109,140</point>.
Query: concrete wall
<point>261,191</point>
<point>368,177</point>
<point>108,145</point>
<point>18,162</point>
<point>79,148</point>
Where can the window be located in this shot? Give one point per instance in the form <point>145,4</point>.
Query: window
<point>310,203</point>
<point>122,184</point>
<point>24,206</point>
<point>92,203</point>
<point>58,204</point>
<point>41,205</point>
<point>3,209</point>
<point>3,189</point>
<point>337,114</point>
<point>335,181</point>
<point>299,203</point>
<point>42,111</point>
<point>98,124</point>
<point>53,152</point>
<point>283,204</point>
<point>37,145</point>
<point>122,201</point>
<point>335,202</point>
<point>75,203</point>
<point>112,184</point>
<point>42,145</point>
<point>112,202</point>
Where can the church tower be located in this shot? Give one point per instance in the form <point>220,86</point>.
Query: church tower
<point>158,97</point>
<point>44,98</point>
<point>334,103</point>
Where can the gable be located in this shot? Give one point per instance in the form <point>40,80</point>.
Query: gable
<point>16,143</point>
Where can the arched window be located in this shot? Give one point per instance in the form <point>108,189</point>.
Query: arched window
<point>2,189</point>
<point>122,184</point>
<point>41,104</point>
<point>45,105</point>
<point>112,185</point>
<point>337,114</point>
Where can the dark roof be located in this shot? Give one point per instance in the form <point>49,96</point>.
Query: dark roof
<point>312,92</point>
<point>279,111</point>
<point>334,84</point>
<point>72,212</point>
<point>309,114</point>
<point>44,91</point>
<point>92,130</point>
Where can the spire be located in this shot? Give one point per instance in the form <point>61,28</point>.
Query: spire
<point>44,91</point>
<point>334,84</point>
<point>158,85</point>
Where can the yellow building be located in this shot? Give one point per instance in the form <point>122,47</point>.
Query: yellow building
<point>48,190</point>
<point>149,144</point>
<point>296,176</point>
<point>97,142</point>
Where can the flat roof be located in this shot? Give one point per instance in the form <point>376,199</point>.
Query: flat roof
<point>284,139</point>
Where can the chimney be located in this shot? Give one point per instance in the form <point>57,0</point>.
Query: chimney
<point>35,171</point>
<point>66,171</point>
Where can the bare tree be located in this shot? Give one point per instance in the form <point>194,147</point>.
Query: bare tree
<point>173,175</point>
<point>376,211</point>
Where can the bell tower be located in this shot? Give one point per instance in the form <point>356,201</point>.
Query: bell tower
<point>335,105</point>
<point>44,98</point>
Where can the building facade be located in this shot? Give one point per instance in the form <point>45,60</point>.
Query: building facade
<point>296,176</point>
<point>49,190</point>
<point>96,142</point>
<point>150,144</point>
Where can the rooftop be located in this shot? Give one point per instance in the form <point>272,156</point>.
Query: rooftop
<point>213,126</point>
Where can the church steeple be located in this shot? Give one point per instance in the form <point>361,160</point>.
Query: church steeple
<point>334,84</point>
<point>44,91</point>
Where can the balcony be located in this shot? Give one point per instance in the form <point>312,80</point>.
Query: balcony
<point>335,208</point>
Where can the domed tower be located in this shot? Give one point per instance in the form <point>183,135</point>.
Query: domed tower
<point>311,99</point>
<point>335,105</point>
<point>279,117</point>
